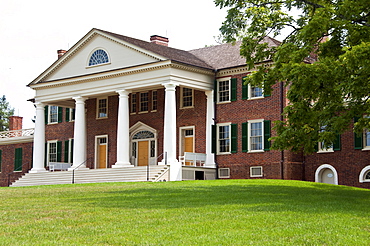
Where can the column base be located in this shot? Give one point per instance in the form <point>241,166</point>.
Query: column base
<point>175,171</point>
<point>38,170</point>
<point>122,165</point>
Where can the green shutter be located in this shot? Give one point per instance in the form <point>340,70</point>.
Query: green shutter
<point>266,95</point>
<point>245,137</point>
<point>59,151</point>
<point>337,143</point>
<point>358,138</point>
<point>244,89</point>
<point>234,138</point>
<point>46,115</point>
<point>60,114</point>
<point>18,159</point>
<point>214,138</point>
<point>267,134</point>
<point>67,114</point>
<point>72,142</point>
<point>233,89</point>
<point>46,155</point>
<point>215,95</point>
<point>66,149</point>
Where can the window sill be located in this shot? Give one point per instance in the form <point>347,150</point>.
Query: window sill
<point>153,111</point>
<point>143,112</point>
<point>256,151</point>
<point>53,123</point>
<point>187,107</point>
<point>132,113</point>
<point>224,153</point>
<point>98,65</point>
<point>102,118</point>
<point>325,151</point>
<point>255,98</point>
<point>224,102</point>
<point>367,148</point>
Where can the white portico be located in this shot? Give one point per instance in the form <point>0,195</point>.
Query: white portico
<point>102,64</point>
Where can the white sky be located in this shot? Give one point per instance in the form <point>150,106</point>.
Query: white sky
<point>31,32</point>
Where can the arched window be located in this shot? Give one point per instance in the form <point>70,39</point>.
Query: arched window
<point>98,57</point>
<point>365,174</point>
<point>143,135</point>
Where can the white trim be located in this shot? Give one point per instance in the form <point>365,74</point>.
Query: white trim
<point>48,151</point>
<point>100,64</point>
<point>361,178</point>
<point>250,93</point>
<point>262,136</point>
<point>218,90</point>
<point>138,127</point>
<point>226,176</point>
<point>96,150</point>
<point>182,98</point>
<point>218,140</point>
<point>181,138</point>
<point>322,168</point>
<point>97,107</point>
<point>255,167</point>
<point>49,115</point>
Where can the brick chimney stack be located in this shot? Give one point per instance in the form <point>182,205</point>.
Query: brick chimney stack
<point>61,53</point>
<point>159,40</point>
<point>15,123</point>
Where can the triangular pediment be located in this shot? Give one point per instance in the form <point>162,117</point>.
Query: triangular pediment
<point>75,62</point>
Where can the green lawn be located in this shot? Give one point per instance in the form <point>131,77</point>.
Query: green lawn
<point>219,212</point>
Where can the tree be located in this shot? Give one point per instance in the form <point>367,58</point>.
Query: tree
<point>5,112</point>
<point>323,61</point>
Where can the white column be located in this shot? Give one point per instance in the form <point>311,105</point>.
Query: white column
<point>39,140</point>
<point>210,159</point>
<point>123,131</point>
<point>79,144</point>
<point>169,138</point>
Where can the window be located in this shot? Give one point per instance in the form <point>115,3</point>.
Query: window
<point>362,141</point>
<point>53,114</point>
<point>226,141</point>
<point>154,100</point>
<point>336,145</point>
<point>365,175</point>
<point>225,90</point>
<point>70,114</point>
<point>18,160</point>
<point>186,97</point>
<point>255,136</point>
<point>256,171</point>
<point>102,108</point>
<point>224,173</point>
<point>144,102</point>
<point>98,57</point>
<point>54,151</point>
<point>68,151</point>
<point>251,92</point>
<point>152,148</point>
<point>133,103</point>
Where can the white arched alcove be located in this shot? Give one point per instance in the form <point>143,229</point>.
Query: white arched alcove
<point>326,174</point>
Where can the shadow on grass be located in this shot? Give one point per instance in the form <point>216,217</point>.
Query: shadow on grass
<point>267,195</point>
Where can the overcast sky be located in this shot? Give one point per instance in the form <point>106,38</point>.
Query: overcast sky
<point>31,32</point>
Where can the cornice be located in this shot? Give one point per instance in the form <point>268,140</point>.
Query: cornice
<point>241,69</point>
<point>118,73</point>
<point>16,140</point>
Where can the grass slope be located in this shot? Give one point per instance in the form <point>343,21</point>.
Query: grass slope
<point>219,212</point>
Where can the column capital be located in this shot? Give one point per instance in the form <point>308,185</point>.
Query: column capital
<point>123,92</point>
<point>170,86</point>
<point>39,104</point>
<point>79,99</point>
<point>209,93</point>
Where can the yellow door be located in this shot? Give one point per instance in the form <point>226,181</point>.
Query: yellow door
<point>102,158</point>
<point>188,147</point>
<point>143,153</point>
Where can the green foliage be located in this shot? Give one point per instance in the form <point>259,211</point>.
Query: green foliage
<point>323,61</point>
<point>5,112</point>
<point>211,212</point>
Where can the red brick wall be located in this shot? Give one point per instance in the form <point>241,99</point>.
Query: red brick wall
<point>348,162</point>
<point>8,156</point>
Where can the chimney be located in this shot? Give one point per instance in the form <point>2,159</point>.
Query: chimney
<point>159,40</point>
<point>61,53</point>
<point>15,123</point>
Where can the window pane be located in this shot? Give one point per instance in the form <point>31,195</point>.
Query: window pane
<point>133,103</point>
<point>187,97</point>
<point>367,138</point>
<point>223,91</point>
<point>154,100</point>
<point>53,111</point>
<point>52,152</point>
<point>256,92</point>
<point>256,136</point>
<point>98,57</point>
<point>224,138</point>
<point>144,101</point>
<point>102,108</point>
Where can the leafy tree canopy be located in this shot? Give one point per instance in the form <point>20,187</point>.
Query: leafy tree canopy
<point>5,112</point>
<point>327,93</point>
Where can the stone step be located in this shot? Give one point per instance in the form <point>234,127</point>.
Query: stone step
<point>129,174</point>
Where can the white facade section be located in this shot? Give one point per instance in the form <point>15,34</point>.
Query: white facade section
<point>39,140</point>
<point>79,147</point>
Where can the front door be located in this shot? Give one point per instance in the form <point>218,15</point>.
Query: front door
<point>143,153</point>
<point>187,141</point>
<point>101,152</point>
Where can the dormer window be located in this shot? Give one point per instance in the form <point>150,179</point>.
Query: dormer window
<point>98,57</point>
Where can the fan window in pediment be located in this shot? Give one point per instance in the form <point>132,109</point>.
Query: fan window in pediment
<point>98,57</point>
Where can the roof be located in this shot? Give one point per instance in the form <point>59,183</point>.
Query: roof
<point>227,55</point>
<point>168,52</point>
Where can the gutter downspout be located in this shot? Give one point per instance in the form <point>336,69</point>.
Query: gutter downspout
<point>281,119</point>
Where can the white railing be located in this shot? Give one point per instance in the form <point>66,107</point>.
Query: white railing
<point>17,133</point>
<point>193,159</point>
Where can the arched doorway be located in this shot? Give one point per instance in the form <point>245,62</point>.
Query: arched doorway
<point>326,174</point>
<point>143,145</point>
